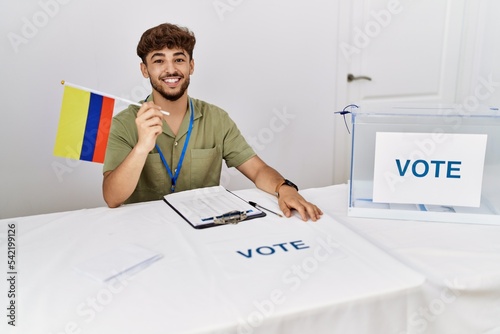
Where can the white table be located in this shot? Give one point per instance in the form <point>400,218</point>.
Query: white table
<point>461,263</point>
<point>320,278</point>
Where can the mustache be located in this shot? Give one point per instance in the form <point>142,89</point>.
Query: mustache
<point>171,75</point>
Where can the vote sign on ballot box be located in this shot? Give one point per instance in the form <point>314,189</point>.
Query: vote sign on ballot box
<point>425,163</point>
<point>414,168</point>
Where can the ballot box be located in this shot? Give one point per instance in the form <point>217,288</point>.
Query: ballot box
<point>431,163</point>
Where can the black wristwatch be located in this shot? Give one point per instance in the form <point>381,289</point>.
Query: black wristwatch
<point>285,182</point>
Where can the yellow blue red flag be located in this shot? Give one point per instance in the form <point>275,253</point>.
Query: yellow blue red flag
<point>84,124</point>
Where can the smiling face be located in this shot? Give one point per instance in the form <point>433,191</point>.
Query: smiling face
<point>169,72</point>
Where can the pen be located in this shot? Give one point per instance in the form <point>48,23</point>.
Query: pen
<point>255,205</point>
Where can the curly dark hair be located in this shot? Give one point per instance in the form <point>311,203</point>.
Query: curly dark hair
<point>166,35</point>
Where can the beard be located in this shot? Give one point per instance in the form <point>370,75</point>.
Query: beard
<point>170,96</point>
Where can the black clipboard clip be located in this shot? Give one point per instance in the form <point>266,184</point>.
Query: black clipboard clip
<point>231,217</point>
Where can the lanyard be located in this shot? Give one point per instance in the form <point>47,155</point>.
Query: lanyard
<point>179,164</point>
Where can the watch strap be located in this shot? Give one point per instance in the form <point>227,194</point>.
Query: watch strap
<point>285,182</point>
<point>278,187</point>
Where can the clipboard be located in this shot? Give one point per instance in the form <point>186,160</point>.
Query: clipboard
<point>211,206</point>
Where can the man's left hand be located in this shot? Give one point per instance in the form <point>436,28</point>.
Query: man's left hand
<point>289,199</point>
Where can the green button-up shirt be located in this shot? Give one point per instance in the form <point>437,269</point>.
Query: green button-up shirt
<point>214,137</point>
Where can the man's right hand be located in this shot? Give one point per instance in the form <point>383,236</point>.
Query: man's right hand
<point>149,124</point>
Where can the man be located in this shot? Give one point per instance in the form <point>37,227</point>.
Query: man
<point>150,154</point>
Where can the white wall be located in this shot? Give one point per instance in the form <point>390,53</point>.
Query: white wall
<point>257,59</point>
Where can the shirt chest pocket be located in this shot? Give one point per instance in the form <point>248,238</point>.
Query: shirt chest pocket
<point>206,166</point>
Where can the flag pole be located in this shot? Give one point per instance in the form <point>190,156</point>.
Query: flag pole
<point>107,95</point>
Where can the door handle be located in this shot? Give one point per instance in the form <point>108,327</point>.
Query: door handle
<point>351,77</point>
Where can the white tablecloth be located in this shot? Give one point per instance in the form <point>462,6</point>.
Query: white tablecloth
<point>461,263</point>
<point>268,275</point>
